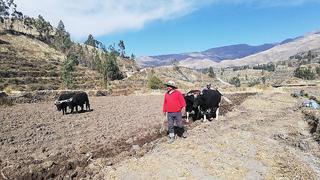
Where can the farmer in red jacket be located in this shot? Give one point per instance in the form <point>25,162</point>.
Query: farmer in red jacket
<point>174,105</point>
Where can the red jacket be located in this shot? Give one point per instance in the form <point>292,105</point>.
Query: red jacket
<point>173,102</point>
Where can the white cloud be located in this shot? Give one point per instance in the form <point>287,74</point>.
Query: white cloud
<point>101,17</point>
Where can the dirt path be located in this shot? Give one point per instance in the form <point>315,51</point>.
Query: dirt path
<point>264,138</point>
<point>223,82</point>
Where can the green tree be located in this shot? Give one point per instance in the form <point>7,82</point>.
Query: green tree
<point>91,41</point>
<point>122,48</point>
<point>68,68</point>
<point>111,70</point>
<point>61,27</point>
<point>133,57</point>
<point>29,23</point>
<point>309,56</point>
<point>8,9</point>
<point>271,67</point>
<point>175,64</point>
<point>4,11</point>
<point>74,58</point>
<point>211,72</point>
<point>222,72</point>
<point>62,39</point>
<point>113,50</point>
<point>44,28</point>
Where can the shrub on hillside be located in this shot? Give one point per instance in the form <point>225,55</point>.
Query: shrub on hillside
<point>318,71</point>
<point>304,73</point>
<point>263,79</point>
<point>254,82</point>
<point>235,81</point>
<point>211,73</point>
<point>267,67</point>
<point>155,83</point>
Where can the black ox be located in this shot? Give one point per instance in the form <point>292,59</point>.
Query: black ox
<point>192,111</point>
<point>205,104</point>
<point>72,100</point>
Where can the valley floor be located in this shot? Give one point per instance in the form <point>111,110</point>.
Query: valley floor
<point>264,138</point>
<point>37,141</point>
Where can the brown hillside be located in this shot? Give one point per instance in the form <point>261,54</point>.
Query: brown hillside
<point>28,64</point>
<point>185,78</point>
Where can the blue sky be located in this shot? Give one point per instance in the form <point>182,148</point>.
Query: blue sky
<point>219,25</point>
<point>153,27</point>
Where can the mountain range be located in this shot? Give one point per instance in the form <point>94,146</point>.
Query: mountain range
<point>236,55</point>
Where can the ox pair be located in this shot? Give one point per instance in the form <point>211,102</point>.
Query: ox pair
<point>203,104</point>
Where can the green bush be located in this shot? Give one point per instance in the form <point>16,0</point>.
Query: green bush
<point>263,79</point>
<point>155,83</point>
<point>318,70</point>
<point>267,67</point>
<point>235,81</point>
<point>254,82</point>
<point>304,73</point>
